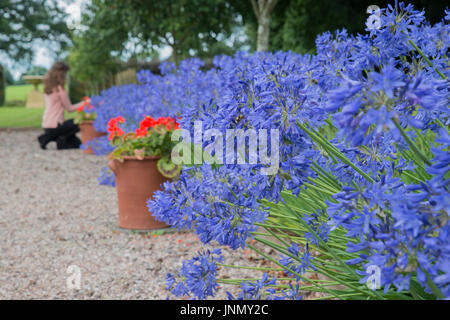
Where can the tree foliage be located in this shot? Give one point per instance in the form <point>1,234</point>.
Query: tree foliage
<point>263,11</point>
<point>114,31</point>
<point>9,79</point>
<point>2,85</point>
<point>188,27</point>
<point>295,24</point>
<point>24,22</point>
<point>96,47</point>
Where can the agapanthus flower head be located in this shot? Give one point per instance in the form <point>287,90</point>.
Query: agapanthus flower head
<point>301,261</point>
<point>255,290</point>
<point>388,80</point>
<point>354,94</point>
<point>197,276</point>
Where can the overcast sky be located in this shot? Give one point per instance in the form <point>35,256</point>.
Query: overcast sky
<point>43,56</point>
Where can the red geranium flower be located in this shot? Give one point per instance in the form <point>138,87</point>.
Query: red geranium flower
<point>87,103</point>
<point>113,127</point>
<point>141,132</point>
<point>148,122</point>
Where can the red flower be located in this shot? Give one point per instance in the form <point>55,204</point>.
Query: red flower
<point>169,122</point>
<point>80,109</point>
<point>113,127</point>
<point>87,103</point>
<point>141,132</point>
<point>148,122</point>
<point>113,122</point>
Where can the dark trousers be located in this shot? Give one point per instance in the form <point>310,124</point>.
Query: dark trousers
<point>63,134</point>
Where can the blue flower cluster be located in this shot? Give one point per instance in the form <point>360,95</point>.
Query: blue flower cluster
<point>298,268</point>
<point>381,92</point>
<point>255,290</point>
<point>196,275</point>
<point>260,91</point>
<point>213,202</point>
<point>155,95</point>
<point>107,177</point>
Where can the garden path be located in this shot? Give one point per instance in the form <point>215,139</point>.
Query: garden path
<point>54,215</point>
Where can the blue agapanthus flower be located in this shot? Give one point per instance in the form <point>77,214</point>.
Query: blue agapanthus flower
<point>197,276</point>
<point>363,93</point>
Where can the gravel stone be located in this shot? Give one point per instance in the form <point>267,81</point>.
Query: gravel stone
<point>55,218</point>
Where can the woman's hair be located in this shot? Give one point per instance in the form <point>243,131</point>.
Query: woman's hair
<point>55,77</point>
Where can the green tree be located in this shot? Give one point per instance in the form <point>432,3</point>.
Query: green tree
<point>295,24</point>
<point>91,63</point>
<point>263,11</point>
<point>36,70</point>
<point>32,70</point>
<point>97,46</point>
<point>24,22</point>
<point>2,85</point>
<point>9,79</point>
<point>114,31</point>
<point>189,27</point>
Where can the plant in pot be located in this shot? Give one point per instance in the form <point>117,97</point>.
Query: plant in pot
<point>141,162</point>
<point>85,117</point>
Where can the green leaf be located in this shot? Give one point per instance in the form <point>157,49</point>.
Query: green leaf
<point>167,168</point>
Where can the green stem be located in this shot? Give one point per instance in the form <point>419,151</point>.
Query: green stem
<point>277,237</point>
<point>341,295</point>
<point>292,271</point>
<point>326,191</point>
<point>411,143</point>
<point>443,77</point>
<point>333,150</point>
<point>436,291</point>
<point>328,249</point>
<point>328,175</point>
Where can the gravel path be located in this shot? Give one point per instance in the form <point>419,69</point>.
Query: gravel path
<point>55,220</point>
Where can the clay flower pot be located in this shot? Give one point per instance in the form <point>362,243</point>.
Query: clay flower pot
<point>136,181</point>
<point>88,133</point>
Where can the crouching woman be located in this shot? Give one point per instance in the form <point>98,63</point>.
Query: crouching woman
<point>56,101</point>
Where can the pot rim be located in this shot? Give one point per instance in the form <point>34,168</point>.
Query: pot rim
<point>87,122</point>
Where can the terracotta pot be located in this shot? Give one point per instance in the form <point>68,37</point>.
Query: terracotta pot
<point>88,133</point>
<point>136,181</point>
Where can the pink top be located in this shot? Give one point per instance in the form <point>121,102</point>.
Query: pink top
<point>55,103</point>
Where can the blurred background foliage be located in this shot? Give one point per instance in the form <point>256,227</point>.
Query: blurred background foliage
<point>117,35</point>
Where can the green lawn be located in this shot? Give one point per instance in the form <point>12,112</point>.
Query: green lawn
<point>18,116</point>
<point>18,93</point>
<point>21,117</point>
